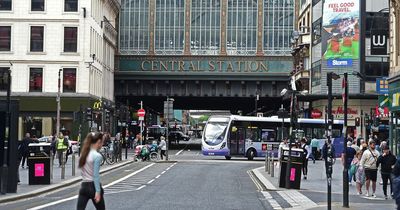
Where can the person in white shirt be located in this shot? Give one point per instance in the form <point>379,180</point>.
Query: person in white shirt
<point>162,146</point>
<point>368,163</point>
<point>283,144</point>
<point>307,152</point>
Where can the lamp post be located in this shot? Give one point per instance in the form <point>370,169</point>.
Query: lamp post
<point>58,103</point>
<point>345,169</point>
<point>4,168</point>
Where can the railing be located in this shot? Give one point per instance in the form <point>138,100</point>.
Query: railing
<point>109,31</point>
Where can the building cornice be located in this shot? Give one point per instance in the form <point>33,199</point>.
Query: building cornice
<point>39,20</point>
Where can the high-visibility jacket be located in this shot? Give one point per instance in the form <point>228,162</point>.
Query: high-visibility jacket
<point>61,145</point>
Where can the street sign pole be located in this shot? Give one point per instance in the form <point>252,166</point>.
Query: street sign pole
<point>345,169</point>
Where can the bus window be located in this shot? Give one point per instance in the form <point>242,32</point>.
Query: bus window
<point>252,134</point>
<point>268,135</point>
<point>285,133</point>
<point>336,133</point>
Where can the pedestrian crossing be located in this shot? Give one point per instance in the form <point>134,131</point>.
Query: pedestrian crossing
<point>140,180</point>
<point>288,199</point>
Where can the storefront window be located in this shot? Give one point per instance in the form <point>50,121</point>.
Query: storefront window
<point>205,27</point>
<point>3,78</point>
<point>170,27</point>
<point>35,80</point>
<point>242,27</point>
<point>134,27</point>
<point>69,80</point>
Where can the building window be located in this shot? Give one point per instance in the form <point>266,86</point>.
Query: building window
<point>35,80</point>
<point>3,78</point>
<point>70,39</point>
<point>376,69</point>
<point>5,5</point>
<point>37,5</point>
<point>316,28</point>
<point>69,80</point>
<point>205,27</point>
<point>278,26</point>
<point>316,74</point>
<point>37,36</point>
<point>242,27</point>
<point>71,6</point>
<point>169,27</point>
<point>134,27</point>
<point>5,38</point>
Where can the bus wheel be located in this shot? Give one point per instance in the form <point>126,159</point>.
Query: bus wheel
<point>250,154</point>
<point>228,157</point>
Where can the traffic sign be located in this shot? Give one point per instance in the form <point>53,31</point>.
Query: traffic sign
<point>141,112</point>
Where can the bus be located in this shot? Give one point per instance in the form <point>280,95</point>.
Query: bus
<point>255,136</point>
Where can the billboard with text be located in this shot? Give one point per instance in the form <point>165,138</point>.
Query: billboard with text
<point>341,31</point>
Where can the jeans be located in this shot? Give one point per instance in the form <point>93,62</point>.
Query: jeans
<point>305,167</point>
<point>385,179</point>
<point>87,192</point>
<point>24,158</point>
<point>59,156</point>
<point>162,154</point>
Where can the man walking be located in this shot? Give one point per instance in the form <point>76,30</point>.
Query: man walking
<point>387,161</point>
<point>314,148</point>
<point>350,152</point>
<point>25,149</point>
<point>305,148</point>
<point>61,146</point>
<point>368,163</point>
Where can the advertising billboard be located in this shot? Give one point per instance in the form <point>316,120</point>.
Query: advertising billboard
<point>341,32</point>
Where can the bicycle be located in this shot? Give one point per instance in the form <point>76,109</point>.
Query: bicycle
<point>107,154</point>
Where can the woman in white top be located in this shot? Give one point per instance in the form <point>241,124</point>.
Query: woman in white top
<point>89,163</point>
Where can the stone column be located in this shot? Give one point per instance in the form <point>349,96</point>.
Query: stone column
<point>188,18</point>
<point>260,27</point>
<point>222,40</point>
<point>152,11</point>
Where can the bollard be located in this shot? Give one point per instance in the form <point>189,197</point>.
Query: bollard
<point>51,164</point>
<point>272,165</point>
<point>73,164</point>
<point>63,165</point>
<point>269,163</point>
<point>266,162</point>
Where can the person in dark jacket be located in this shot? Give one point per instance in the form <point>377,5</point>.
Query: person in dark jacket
<point>387,161</point>
<point>25,149</point>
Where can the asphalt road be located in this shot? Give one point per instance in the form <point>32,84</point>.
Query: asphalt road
<point>193,182</point>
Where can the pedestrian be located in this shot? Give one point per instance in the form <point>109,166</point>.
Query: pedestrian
<point>350,153</point>
<point>162,146</point>
<point>314,148</point>
<point>25,149</point>
<point>359,138</point>
<point>396,183</point>
<point>306,149</point>
<point>368,163</point>
<point>61,147</point>
<point>283,144</point>
<point>349,138</point>
<point>328,154</point>
<point>359,172</point>
<point>131,140</point>
<point>387,161</point>
<point>89,163</point>
<point>355,146</point>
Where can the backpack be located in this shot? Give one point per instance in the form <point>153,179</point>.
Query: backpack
<point>396,187</point>
<point>65,142</point>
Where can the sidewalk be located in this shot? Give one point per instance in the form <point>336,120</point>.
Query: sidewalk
<point>24,190</point>
<point>316,187</point>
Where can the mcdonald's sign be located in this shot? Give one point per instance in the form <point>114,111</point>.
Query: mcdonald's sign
<point>97,105</point>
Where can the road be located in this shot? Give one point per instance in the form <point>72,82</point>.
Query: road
<point>193,181</point>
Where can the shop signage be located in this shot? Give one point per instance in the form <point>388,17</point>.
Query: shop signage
<point>341,27</point>
<point>382,86</point>
<point>379,42</point>
<point>339,113</point>
<point>97,105</point>
<point>316,114</point>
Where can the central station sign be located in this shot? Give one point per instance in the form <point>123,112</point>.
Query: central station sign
<point>218,64</point>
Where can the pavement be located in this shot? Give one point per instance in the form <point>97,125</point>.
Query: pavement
<point>313,191</point>
<point>24,190</point>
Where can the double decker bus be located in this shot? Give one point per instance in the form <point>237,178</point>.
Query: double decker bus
<point>253,136</point>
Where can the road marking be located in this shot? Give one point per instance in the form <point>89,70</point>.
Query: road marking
<point>76,196</point>
<point>179,152</point>
<point>163,172</point>
<point>254,180</point>
<point>297,199</point>
<point>141,187</point>
<point>149,182</point>
<point>158,176</point>
<point>262,178</point>
<point>271,200</point>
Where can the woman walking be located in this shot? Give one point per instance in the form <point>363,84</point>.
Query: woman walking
<point>360,176</point>
<point>89,163</point>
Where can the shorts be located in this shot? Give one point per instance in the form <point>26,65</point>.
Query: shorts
<point>371,174</point>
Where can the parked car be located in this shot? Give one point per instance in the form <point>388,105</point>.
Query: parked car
<point>178,136</point>
<point>45,139</point>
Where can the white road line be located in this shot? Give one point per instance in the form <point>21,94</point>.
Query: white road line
<point>163,172</point>
<point>149,182</point>
<point>112,183</point>
<point>158,176</point>
<point>179,152</point>
<point>141,187</point>
<point>271,200</point>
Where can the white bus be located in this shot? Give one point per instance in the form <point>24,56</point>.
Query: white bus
<point>253,136</point>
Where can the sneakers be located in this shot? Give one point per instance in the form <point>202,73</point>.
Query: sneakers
<point>359,193</point>
<point>305,177</point>
<point>373,195</point>
<point>386,197</point>
<point>350,183</point>
<point>367,194</point>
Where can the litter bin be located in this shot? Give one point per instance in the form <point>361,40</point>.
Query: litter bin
<point>39,163</point>
<point>295,169</point>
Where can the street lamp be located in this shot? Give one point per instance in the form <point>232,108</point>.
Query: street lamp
<point>58,102</point>
<point>4,168</point>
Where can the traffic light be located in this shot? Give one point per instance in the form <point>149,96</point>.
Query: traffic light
<point>358,121</point>
<point>107,115</point>
<point>89,113</point>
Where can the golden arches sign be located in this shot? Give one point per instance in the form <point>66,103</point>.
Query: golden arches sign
<point>97,105</point>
